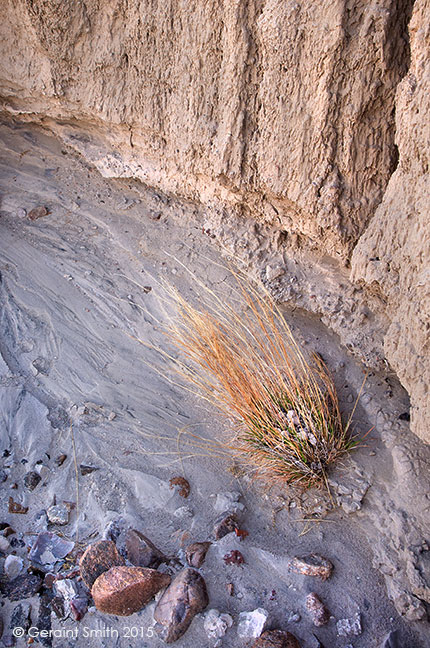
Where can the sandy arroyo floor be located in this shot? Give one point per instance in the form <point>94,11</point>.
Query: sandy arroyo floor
<point>72,304</point>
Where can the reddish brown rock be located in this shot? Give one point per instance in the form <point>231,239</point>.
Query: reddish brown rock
<point>139,549</point>
<point>276,639</point>
<point>184,598</point>
<point>225,523</point>
<point>317,610</point>
<point>196,552</point>
<point>125,590</point>
<point>98,558</point>
<point>312,565</point>
<point>38,212</point>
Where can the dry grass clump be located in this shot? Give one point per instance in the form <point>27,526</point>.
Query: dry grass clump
<point>247,362</point>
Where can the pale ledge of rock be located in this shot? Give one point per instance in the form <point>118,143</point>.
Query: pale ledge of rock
<point>312,565</point>
<point>125,590</point>
<point>276,639</point>
<point>216,623</point>
<point>98,558</point>
<point>252,624</point>
<point>317,610</point>
<point>185,597</point>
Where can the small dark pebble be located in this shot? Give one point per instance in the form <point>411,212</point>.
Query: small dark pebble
<point>3,476</point>
<point>61,459</point>
<point>234,558</point>
<point>79,607</point>
<point>49,580</point>
<point>57,606</point>
<point>196,553</point>
<point>32,479</point>
<point>16,543</point>
<point>86,470</point>
<point>224,524</point>
<point>405,417</point>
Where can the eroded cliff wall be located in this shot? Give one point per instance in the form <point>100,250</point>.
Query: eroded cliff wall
<point>282,112</point>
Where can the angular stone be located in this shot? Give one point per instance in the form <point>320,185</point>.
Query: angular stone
<point>184,598</point>
<point>98,558</point>
<point>251,624</point>
<point>224,524</point>
<point>32,479</point>
<point>48,548</point>
<point>23,587</point>
<point>13,566</point>
<point>139,550</point>
<point>317,610</point>
<point>276,639</point>
<point>312,565</point>
<point>125,590</point>
<point>79,607</point>
<point>196,552</point>
<point>16,507</point>
<point>86,470</point>
<point>58,515</point>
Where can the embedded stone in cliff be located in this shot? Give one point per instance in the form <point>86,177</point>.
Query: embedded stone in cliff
<point>125,590</point>
<point>183,599</point>
<point>276,639</point>
<point>98,558</point>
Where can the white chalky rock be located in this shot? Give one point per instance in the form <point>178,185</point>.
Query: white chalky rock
<point>216,624</point>
<point>251,624</point>
<point>348,627</point>
<point>13,566</point>
<point>4,544</point>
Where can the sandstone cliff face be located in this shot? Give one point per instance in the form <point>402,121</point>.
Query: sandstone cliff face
<point>393,255</point>
<point>278,111</point>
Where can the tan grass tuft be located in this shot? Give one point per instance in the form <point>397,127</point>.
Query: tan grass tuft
<point>246,362</point>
